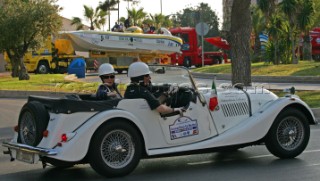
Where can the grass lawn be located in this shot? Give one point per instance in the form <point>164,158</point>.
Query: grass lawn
<point>48,82</point>
<point>304,68</point>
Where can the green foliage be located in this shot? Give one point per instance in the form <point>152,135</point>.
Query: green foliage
<point>137,16</point>
<point>191,16</point>
<point>24,25</point>
<point>96,18</point>
<point>49,82</point>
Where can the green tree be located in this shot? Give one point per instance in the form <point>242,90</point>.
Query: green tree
<point>201,13</point>
<point>137,16</point>
<point>25,25</point>
<point>107,6</point>
<point>289,8</point>
<point>275,30</point>
<point>304,19</point>
<point>258,25</point>
<point>95,17</point>
<point>316,15</point>
<point>240,42</point>
<point>157,20</point>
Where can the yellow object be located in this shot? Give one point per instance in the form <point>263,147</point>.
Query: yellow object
<point>133,29</point>
<point>51,57</point>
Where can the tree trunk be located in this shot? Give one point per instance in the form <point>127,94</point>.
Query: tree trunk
<point>307,48</point>
<point>240,42</point>
<point>257,48</point>
<point>294,59</point>
<point>23,74</point>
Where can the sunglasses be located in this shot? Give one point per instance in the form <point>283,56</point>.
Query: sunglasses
<point>108,76</point>
<point>147,75</point>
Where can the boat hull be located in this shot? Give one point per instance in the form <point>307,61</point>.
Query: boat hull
<point>123,42</point>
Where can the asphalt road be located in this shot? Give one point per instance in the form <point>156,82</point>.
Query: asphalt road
<point>251,163</point>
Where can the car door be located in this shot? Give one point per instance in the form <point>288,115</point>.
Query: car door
<point>195,124</point>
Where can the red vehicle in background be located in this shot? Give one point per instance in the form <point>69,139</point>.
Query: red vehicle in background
<point>315,42</point>
<point>192,52</point>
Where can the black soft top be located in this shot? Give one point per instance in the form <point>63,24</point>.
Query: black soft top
<point>74,103</point>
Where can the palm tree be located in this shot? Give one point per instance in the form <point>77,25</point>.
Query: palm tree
<point>275,30</point>
<point>158,20</point>
<point>240,32</point>
<point>289,8</point>
<point>304,24</point>
<point>107,6</point>
<point>95,17</point>
<point>137,16</point>
<point>258,25</point>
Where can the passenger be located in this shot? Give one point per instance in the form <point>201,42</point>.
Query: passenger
<point>127,22</point>
<point>116,27</point>
<point>140,87</point>
<point>108,89</point>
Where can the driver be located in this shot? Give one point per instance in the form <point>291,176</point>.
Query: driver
<point>140,87</point>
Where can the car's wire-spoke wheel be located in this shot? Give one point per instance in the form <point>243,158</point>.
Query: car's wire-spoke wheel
<point>33,120</point>
<point>289,134</point>
<point>117,149</point>
<point>27,129</point>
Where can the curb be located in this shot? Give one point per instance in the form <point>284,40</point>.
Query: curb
<point>266,79</point>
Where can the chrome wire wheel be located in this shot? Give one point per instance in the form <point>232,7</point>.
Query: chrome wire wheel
<point>290,133</point>
<point>117,149</point>
<point>27,128</point>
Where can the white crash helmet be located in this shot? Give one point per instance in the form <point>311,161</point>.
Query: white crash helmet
<point>105,68</point>
<point>137,69</point>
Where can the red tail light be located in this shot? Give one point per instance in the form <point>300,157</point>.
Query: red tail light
<point>64,138</point>
<point>45,133</point>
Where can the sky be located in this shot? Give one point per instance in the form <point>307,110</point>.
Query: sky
<point>74,8</point>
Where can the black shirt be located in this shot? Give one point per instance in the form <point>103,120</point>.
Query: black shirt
<point>135,91</point>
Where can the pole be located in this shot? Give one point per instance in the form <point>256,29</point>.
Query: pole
<point>118,12</point>
<point>202,32</point>
<point>109,15</point>
<point>161,6</point>
<point>202,49</point>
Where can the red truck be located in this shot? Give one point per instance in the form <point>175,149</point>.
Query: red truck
<point>315,42</point>
<point>192,52</point>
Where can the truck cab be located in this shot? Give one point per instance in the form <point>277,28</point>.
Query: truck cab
<point>191,52</point>
<point>53,56</point>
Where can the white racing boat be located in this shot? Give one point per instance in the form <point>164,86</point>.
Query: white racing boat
<point>132,40</point>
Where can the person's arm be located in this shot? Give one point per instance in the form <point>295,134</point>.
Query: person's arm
<point>163,109</point>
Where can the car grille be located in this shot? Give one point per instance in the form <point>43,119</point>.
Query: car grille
<point>235,109</point>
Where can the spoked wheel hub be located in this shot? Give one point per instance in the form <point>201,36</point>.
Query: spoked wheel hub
<point>290,133</point>
<point>117,149</point>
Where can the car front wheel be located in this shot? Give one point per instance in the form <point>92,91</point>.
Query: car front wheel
<point>115,149</point>
<point>289,134</point>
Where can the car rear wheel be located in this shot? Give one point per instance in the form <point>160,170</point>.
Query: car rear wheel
<point>33,120</point>
<point>289,134</point>
<point>115,149</point>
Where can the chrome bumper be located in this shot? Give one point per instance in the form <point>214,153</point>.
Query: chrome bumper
<point>30,149</point>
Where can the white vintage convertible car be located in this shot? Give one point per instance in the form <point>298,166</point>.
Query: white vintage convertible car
<point>113,135</point>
